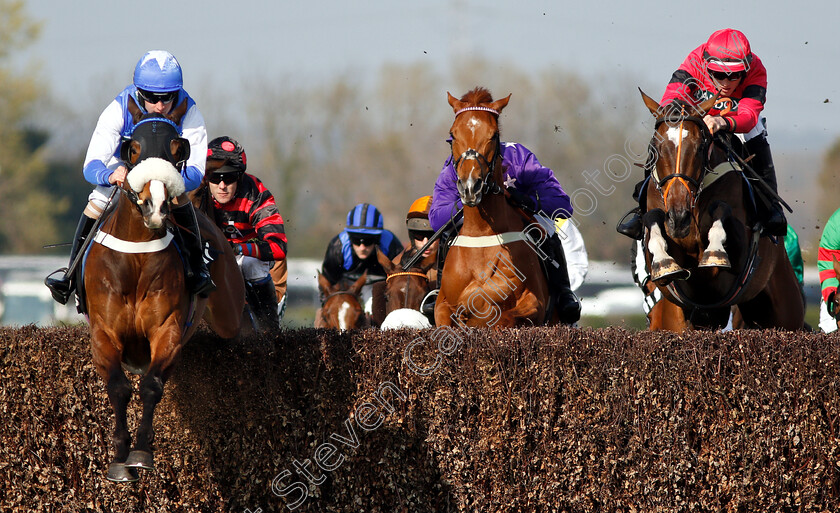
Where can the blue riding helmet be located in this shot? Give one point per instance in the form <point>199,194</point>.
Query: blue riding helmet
<point>365,218</point>
<point>158,71</point>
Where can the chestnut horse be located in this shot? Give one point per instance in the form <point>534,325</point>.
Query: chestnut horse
<point>702,245</point>
<point>492,275</point>
<point>405,290</point>
<point>342,307</point>
<point>140,312</point>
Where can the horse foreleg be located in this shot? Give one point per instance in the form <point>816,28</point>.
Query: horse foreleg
<point>165,348</point>
<point>443,311</point>
<point>106,359</point>
<point>151,391</point>
<point>662,265</point>
<point>715,255</point>
<point>528,311</point>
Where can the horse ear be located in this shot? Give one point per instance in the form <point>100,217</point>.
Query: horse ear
<point>650,103</point>
<point>179,148</point>
<point>134,110</point>
<point>357,287</point>
<point>176,114</point>
<point>706,106</point>
<point>323,283</point>
<point>384,261</point>
<point>455,102</point>
<point>500,104</point>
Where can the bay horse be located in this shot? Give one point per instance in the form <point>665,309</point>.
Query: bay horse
<point>139,310</point>
<point>703,248</point>
<point>405,290</point>
<point>492,276</point>
<point>342,308</point>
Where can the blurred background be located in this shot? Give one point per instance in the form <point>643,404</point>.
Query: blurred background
<point>338,103</point>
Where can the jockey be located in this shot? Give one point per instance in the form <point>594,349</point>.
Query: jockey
<point>532,187</point>
<point>419,233</point>
<point>353,251</point>
<point>157,88</point>
<point>246,213</point>
<point>725,66</point>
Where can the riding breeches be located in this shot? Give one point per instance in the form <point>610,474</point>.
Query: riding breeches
<point>253,269</point>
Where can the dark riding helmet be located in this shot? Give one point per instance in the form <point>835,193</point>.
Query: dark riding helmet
<point>728,51</point>
<point>417,219</point>
<point>230,152</point>
<point>365,219</point>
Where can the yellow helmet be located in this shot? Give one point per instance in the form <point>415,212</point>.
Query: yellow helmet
<point>418,215</point>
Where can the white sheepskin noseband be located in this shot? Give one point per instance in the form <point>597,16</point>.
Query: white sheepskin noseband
<point>155,168</point>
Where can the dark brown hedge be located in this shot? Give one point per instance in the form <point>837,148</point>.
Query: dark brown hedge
<point>548,420</point>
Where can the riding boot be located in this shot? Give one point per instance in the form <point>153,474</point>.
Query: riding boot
<point>61,288</point>
<point>568,305</point>
<point>197,276</point>
<point>262,299</point>
<point>770,210</point>
<point>633,227</point>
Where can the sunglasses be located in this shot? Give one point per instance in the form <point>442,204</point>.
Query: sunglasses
<point>722,75</point>
<point>418,236</point>
<point>228,178</point>
<point>157,97</point>
<point>364,241</point>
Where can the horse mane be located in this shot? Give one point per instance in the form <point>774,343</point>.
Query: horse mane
<point>155,168</point>
<point>477,96</point>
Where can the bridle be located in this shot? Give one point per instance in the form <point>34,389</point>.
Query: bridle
<point>408,273</point>
<point>692,184</point>
<point>489,186</point>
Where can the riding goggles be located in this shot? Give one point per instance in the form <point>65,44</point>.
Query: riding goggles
<point>420,235</point>
<point>366,240</point>
<point>722,75</point>
<point>228,178</point>
<point>153,98</point>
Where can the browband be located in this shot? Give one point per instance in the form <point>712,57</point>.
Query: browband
<point>485,109</point>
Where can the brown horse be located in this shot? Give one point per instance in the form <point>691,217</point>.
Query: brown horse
<point>342,307</point>
<point>405,290</point>
<point>702,246</point>
<point>140,313</point>
<point>492,276</point>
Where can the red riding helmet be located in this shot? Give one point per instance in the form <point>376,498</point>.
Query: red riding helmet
<point>728,50</point>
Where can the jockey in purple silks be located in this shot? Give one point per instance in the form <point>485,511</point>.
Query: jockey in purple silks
<point>531,186</point>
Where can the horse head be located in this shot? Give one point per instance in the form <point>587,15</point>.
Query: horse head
<point>405,288</point>
<point>678,158</point>
<point>474,137</point>
<point>153,156</point>
<point>342,308</point>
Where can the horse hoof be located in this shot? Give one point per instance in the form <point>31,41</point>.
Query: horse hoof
<point>669,270</point>
<point>140,459</point>
<point>120,473</point>
<point>714,259</point>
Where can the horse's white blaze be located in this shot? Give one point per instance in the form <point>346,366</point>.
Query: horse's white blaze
<point>656,245</point>
<point>158,194</point>
<point>473,124</point>
<point>717,236</point>
<point>343,312</point>
<point>674,135</point>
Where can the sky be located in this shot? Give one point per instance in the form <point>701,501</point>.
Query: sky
<point>225,43</point>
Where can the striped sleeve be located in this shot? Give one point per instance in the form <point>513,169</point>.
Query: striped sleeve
<point>265,218</point>
<point>829,250</point>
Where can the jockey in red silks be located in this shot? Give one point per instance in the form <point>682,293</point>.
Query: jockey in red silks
<point>725,66</point>
<point>246,213</point>
<point>531,186</point>
<point>157,88</point>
